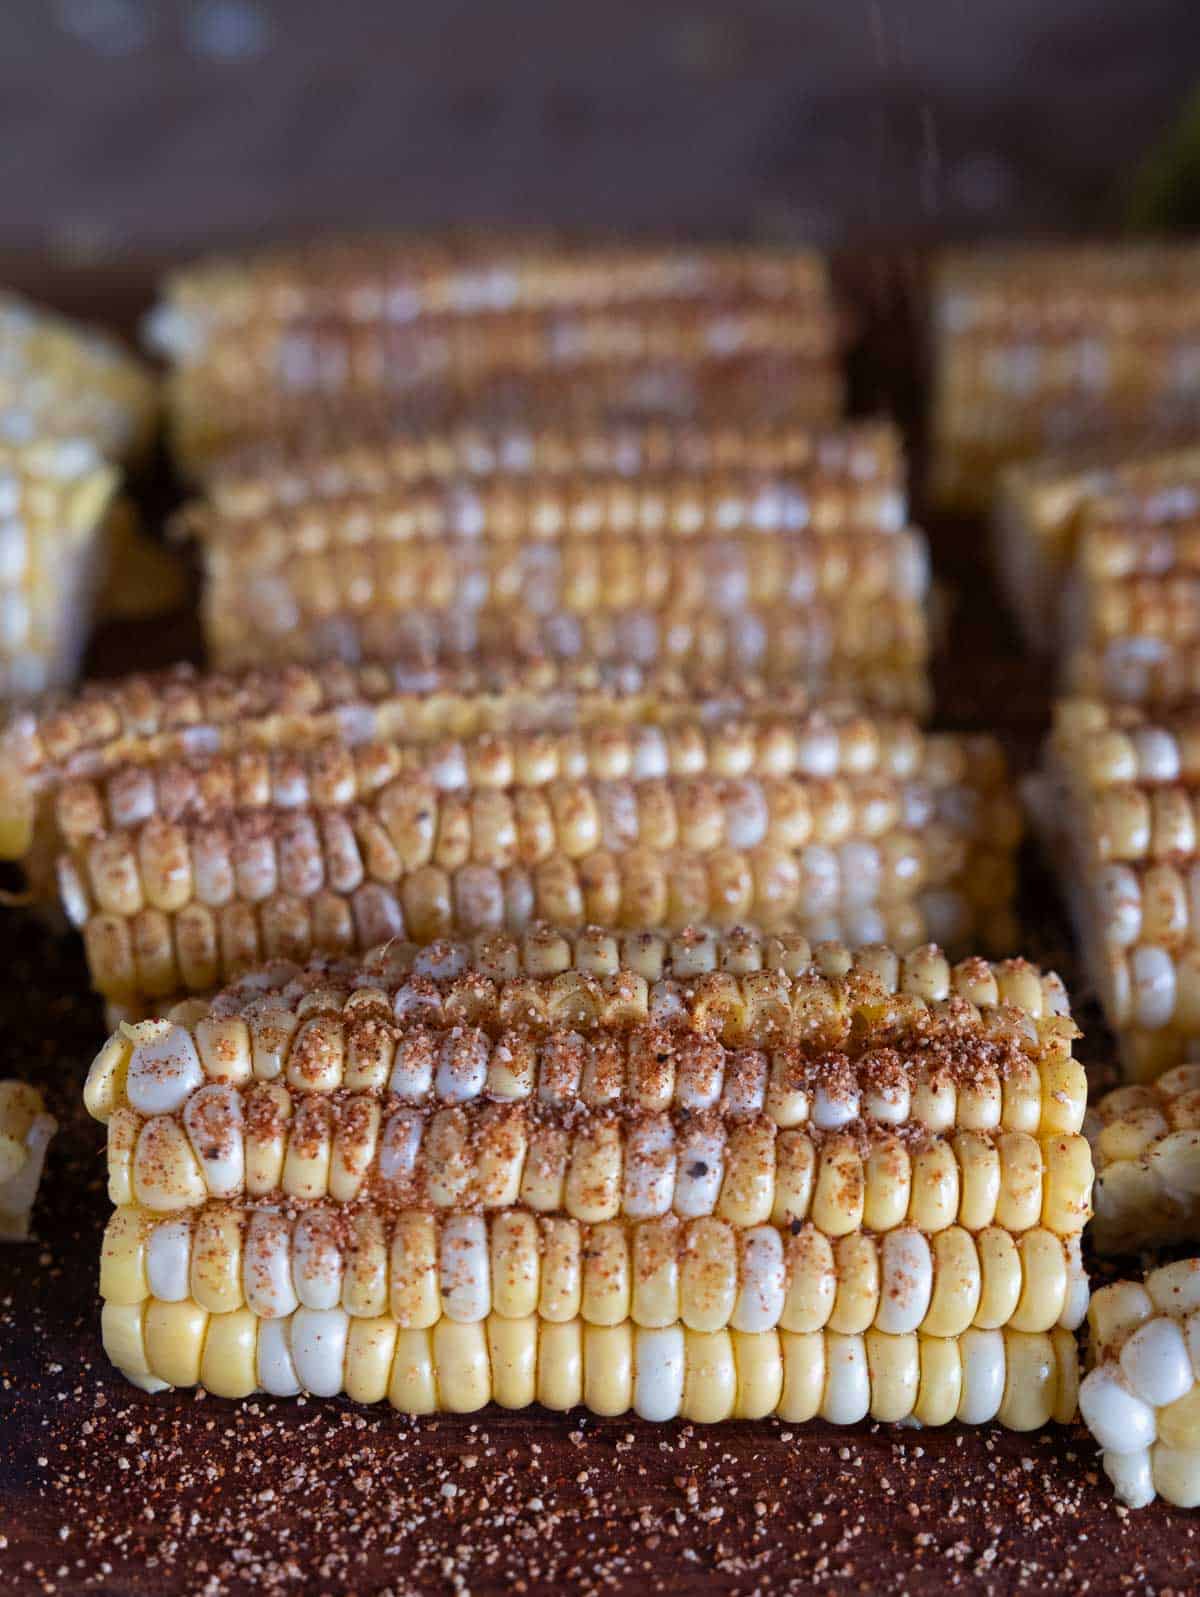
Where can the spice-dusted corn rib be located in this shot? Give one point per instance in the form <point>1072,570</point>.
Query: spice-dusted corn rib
<point>1141,1399</point>
<point>268,576</point>
<point>25,1133</point>
<point>1121,794</point>
<point>755,1079</point>
<point>1146,1145</point>
<point>764,388</point>
<point>180,714</point>
<point>398,278</point>
<point>1135,612</point>
<point>418,1265</point>
<point>1047,508</point>
<point>59,495</point>
<point>876,650</point>
<point>61,381</point>
<point>837,477</point>
<point>1039,349</point>
<point>650,359</point>
<point>798,603</point>
<point>181,882</point>
<point>1022,1380</point>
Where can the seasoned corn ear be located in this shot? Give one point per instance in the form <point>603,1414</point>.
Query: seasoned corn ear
<point>831,479</point>
<point>60,381</point>
<point>182,883</point>
<point>1146,1143</point>
<point>1052,509</point>
<point>1022,1380</point>
<point>1141,1399</point>
<point>1119,803</point>
<point>418,1265</point>
<point>1050,349</point>
<point>399,278</point>
<point>25,1133</point>
<point>59,494</point>
<point>180,714</point>
<point>754,1079</point>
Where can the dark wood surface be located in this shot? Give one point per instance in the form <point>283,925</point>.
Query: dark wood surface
<point>103,1489</point>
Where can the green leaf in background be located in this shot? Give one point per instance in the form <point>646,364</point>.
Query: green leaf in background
<point>1166,192</point>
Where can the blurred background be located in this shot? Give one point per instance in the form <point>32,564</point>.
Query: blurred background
<point>148,126</point>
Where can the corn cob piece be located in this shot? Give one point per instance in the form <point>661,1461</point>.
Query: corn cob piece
<point>749,1077</point>
<point>180,714</point>
<point>365,587</point>
<point>839,478</point>
<point>60,381</point>
<point>400,278</point>
<point>1046,507</point>
<point>762,388</point>
<point>420,1265</point>
<point>829,1295</point>
<point>1120,805</point>
<point>874,650</point>
<point>1135,615</point>
<point>25,1133</point>
<point>183,876</point>
<point>1140,1399</point>
<point>1019,1379</point>
<point>407,334</point>
<point>1039,350</point>
<point>58,495</point>
<point>1146,1145</point>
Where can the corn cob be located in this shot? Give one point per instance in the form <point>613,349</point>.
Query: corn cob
<point>764,388</point>
<point>182,877</point>
<point>25,1132</point>
<point>795,602</point>
<point>419,1266</point>
<point>270,347</point>
<point>59,381</point>
<point>57,497</point>
<point>1146,1145</point>
<point>563,505</point>
<point>875,650</point>
<point>1040,350</point>
<point>1020,1379</point>
<point>839,478</point>
<point>1047,507</point>
<point>1136,609</point>
<point>1140,1398</point>
<point>1122,821</point>
<point>179,714</point>
<point>896,1292</point>
<point>400,278</point>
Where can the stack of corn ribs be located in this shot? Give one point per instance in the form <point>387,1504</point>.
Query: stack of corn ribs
<point>73,407</point>
<point>695,1176</point>
<point>492,329</point>
<point>446,451</point>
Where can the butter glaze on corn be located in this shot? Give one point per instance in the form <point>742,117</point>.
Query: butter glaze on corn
<point>1141,1398</point>
<point>25,1133</point>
